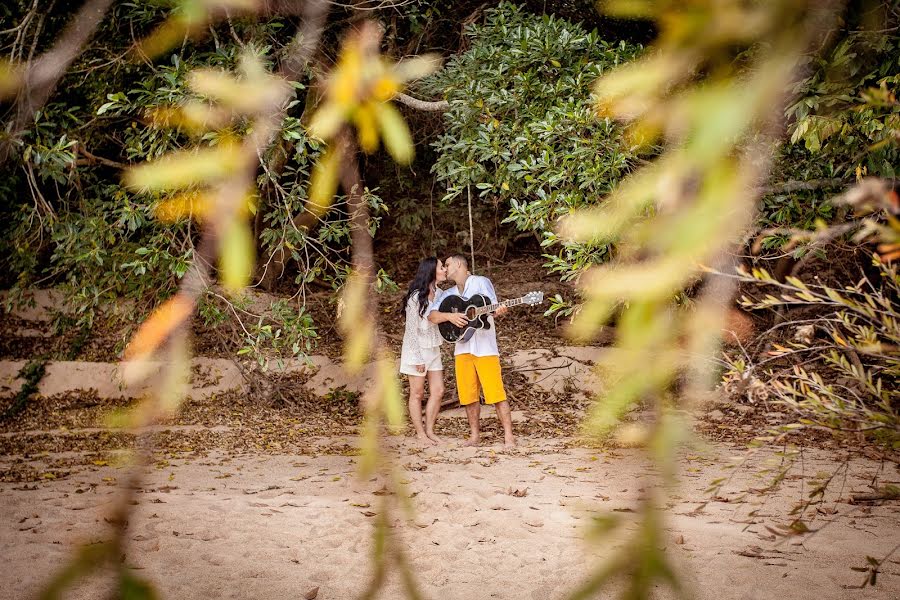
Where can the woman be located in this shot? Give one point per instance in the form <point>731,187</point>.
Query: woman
<point>420,357</point>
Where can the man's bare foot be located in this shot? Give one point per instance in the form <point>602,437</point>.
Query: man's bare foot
<point>472,441</point>
<point>425,441</point>
<point>434,438</point>
<point>509,442</point>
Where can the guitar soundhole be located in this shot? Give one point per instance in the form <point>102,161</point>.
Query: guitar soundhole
<point>470,313</point>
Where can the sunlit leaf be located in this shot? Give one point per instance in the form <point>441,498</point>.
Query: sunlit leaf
<point>395,133</point>
<point>186,168</point>
<point>10,79</point>
<point>326,121</point>
<point>417,67</point>
<point>323,182</point>
<point>195,205</point>
<point>158,326</point>
<point>243,96</point>
<point>366,127</point>
<point>236,255</point>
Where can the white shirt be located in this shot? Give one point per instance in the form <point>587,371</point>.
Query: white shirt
<point>484,342</point>
<point>419,333</point>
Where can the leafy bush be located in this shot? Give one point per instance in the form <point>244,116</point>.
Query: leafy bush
<point>521,130</point>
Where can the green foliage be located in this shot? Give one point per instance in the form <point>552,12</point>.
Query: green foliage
<point>845,113</point>
<point>521,130</point>
<point>67,222</point>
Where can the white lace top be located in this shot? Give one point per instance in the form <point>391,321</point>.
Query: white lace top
<point>419,333</point>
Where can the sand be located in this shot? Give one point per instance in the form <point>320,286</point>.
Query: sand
<point>278,526</point>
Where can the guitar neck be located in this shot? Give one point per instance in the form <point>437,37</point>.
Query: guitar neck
<point>492,307</point>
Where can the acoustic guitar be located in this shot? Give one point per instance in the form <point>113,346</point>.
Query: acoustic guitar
<point>477,308</point>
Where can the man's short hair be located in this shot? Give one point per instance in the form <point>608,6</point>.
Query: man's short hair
<point>461,259</point>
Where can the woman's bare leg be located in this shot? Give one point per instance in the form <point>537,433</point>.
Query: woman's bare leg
<point>433,406</point>
<point>416,393</point>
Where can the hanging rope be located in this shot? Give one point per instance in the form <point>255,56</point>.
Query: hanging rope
<point>471,230</point>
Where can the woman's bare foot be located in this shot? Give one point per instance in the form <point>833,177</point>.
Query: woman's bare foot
<point>473,440</point>
<point>425,441</point>
<point>509,442</point>
<point>434,438</point>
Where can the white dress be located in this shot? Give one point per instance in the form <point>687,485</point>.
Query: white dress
<point>421,342</point>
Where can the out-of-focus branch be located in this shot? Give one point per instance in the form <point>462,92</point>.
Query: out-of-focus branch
<point>787,187</point>
<point>40,77</point>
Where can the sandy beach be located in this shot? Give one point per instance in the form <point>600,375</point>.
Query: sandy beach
<point>487,524</point>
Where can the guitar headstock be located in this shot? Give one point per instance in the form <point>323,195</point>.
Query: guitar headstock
<point>532,298</point>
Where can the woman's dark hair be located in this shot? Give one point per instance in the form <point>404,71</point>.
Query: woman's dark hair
<point>421,284</point>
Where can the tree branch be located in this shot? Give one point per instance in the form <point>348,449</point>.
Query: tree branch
<point>41,76</point>
<point>437,106</point>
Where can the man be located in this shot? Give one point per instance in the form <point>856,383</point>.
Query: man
<point>477,360</point>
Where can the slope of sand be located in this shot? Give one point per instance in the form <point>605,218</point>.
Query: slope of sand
<point>277,526</point>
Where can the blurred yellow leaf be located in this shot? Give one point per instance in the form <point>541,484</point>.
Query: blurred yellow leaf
<point>247,97</point>
<point>385,88</point>
<point>347,75</point>
<point>158,326</point>
<point>192,116</point>
<point>355,324</point>
<point>323,182</point>
<point>397,138</point>
<point>390,394</point>
<point>366,128</point>
<point>10,79</point>
<point>186,168</point>
<point>196,205</point>
<point>410,69</point>
<point>236,255</point>
<point>326,121</point>
<point>189,21</point>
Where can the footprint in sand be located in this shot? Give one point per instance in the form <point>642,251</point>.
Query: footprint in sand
<point>211,559</point>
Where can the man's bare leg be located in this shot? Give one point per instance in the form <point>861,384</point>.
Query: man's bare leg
<point>505,416</point>
<point>473,414</point>
<point>416,393</point>
<point>433,406</point>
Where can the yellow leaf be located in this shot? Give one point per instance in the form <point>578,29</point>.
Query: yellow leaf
<point>505,186</point>
<point>236,254</point>
<point>324,181</point>
<point>195,205</point>
<point>347,75</point>
<point>555,63</point>
<point>395,133</point>
<point>326,121</point>
<point>366,128</point>
<point>385,88</point>
<point>10,79</point>
<point>158,326</point>
<point>186,168</point>
<point>247,97</point>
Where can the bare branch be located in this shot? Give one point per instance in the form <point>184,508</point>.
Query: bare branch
<point>436,106</point>
<point>41,76</point>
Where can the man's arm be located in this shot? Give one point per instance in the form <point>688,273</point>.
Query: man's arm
<point>435,316</point>
<point>457,319</point>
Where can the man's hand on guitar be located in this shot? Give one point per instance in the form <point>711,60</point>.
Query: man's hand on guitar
<point>502,310</point>
<point>457,319</point>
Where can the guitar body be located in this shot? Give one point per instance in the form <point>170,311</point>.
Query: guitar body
<point>467,306</point>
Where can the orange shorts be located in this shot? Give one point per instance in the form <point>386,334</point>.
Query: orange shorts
<point>474,373</point>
